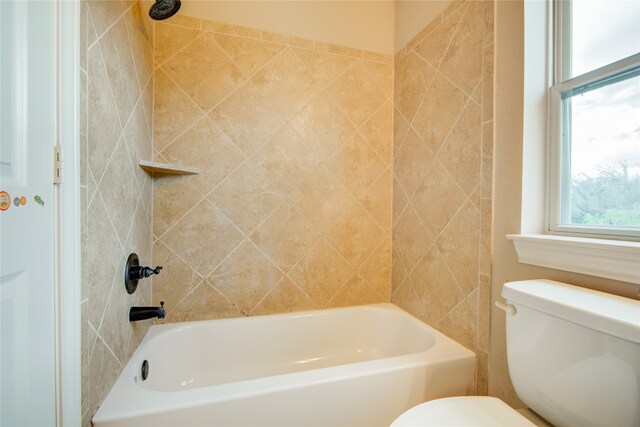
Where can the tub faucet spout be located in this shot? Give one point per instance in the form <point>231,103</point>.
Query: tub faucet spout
<point>143,313</point>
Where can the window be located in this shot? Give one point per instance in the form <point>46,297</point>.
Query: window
<point>595,119</point>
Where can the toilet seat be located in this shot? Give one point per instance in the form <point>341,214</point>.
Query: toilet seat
<point>472,411</point>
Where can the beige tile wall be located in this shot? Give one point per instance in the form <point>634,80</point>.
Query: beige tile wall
<point>443,151</point>
<point>299,143</point>
<point>116,130</point>
<point>292,210</point>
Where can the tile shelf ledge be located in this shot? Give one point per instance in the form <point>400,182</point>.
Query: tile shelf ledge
<point>613,259</point>
<point>167,168</point>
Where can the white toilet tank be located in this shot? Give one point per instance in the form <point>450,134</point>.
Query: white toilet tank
<point>574,353</point>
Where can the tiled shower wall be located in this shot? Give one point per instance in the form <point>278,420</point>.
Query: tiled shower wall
<point>292,210</point>
<point>296,141</point>
<point>443,150</point>
<point>116,111</point>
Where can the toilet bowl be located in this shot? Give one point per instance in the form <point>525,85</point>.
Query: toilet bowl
<point>573,356</point>
<point>470,411</point>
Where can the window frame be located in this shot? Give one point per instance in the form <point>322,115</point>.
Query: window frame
<point>558,155</point>
<point>611,258</point>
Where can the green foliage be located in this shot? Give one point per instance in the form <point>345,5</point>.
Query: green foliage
<point>612,198</point>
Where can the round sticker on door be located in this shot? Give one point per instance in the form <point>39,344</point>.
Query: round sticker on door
<point>5,200</point>
<point>23,200</point>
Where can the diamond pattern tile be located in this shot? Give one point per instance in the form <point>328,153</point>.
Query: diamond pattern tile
<point>355,164</point>
<point>461,152</point>
<point>461,323</point>
<point>141,35</point>
<point>412,85</point>
<point>203,237</point>
<point>321,272</point>
<point>463,61</point>
<point>412,163</point>
<point>282,163</point>
<point>247,197</point>
<point>434,47</point>
<point>382,74</point>
<point>322,126</point>
<point>284,81</point>
<point>170,39</point>
<point>355,234</point>
<point>411,240</point>
<point>203,146</point>
<point>400,201</point>
<point>458,245</point>
<point>285,297</point>
<point>435,285</point>
<point>287,160</point>
<point>321,198</point>
<point>377,200</point>
<point>400,129</point>
<point>204,72</point>
<point>104,14</point>
<point>104,258</point>
<point>355,292</point>
<point>120,65</point>
<point>376,270</point>
<point>324,67</point>
<point>115,188</point>
<point>378,131</point>
<point>248,54</point>
<point>139,144</point>
<point>438,198</point>
<point>173,196</point>
<point>177,280</point>
<point>203,303</point>
<point>356,94</point>
<point>286,236</point>
<point>103,126</point>
<point>173,111</point>
<point>247,118</point>
<point>406,298</point>
<point>398,270</point>
<point>441,108</point>
<point>245,277</point>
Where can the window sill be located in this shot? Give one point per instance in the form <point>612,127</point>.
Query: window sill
<point>613,259</point>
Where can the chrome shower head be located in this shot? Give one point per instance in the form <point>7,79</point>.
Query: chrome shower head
<point>163,9</point>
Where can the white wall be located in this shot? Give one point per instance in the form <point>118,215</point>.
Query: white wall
<point>509,99</point>
<point>360,24</point>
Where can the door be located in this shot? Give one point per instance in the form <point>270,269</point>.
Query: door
<point>27,138</point>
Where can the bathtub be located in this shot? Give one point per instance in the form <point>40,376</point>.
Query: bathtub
<point>356,366</point>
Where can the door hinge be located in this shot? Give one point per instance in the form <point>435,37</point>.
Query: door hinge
<point>58,164</point>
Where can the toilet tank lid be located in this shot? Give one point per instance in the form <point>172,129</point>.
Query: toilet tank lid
<point>607,313</point>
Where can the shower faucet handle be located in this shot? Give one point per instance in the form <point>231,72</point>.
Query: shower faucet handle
<point>134,271</point>
<point>148,271</point>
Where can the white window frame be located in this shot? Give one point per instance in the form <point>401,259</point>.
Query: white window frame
<point>559,157</point>
<point>536,244</point>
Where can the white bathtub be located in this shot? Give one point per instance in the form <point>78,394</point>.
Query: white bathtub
<point>357,366</point>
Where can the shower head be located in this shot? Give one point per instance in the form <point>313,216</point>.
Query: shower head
<point>163,9</point>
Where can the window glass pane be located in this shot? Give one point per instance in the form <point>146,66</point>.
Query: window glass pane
<point>602,32</point>
<point>604,175</point>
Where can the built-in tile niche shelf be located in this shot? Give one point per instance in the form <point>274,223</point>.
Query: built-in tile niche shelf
<point>167,168</point>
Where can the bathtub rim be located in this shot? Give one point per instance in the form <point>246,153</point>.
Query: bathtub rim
<point>148,400</point>
<point>159,328</point>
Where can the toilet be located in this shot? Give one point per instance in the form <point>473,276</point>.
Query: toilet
<point>573,356</point>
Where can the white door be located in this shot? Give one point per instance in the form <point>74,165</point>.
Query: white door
<point>28,129</point>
